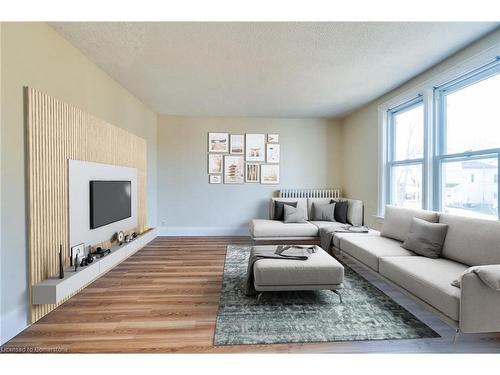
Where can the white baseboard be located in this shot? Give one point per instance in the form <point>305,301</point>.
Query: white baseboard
<point>13,323</point>
<point>203,231</point>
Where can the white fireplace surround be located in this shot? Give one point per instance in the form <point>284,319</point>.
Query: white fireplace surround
<point>80,173</point>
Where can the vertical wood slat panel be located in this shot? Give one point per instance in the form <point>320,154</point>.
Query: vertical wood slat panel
<point>57,132</point>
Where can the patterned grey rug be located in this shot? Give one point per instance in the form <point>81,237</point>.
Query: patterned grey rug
<point>308,316</point>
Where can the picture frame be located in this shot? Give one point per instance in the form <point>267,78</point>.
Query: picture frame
<point>270,174</point>
<point>237,144</point>
<point>215,163</point>
<point>218,142</point>
<point>252,172</point>
<point>234,169</point>
<point>215,179</point>
<point>255,147</point>
<point>77,250</point>
<point>273,153</point>
<point>273,138</point>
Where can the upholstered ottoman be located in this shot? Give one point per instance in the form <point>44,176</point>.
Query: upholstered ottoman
<point>320,271</point>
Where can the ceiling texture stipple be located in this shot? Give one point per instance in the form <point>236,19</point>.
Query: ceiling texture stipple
<point>273,69</point>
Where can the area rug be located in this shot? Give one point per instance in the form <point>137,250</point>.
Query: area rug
<point>308,316</point>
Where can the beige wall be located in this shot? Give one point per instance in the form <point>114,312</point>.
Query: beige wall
<point>311,157</point>
<point>360,133</point>
<point>33,54</point>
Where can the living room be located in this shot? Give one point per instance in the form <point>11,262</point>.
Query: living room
<point>249,187</point>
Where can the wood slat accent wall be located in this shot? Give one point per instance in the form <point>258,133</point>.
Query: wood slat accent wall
<point>57,132</point>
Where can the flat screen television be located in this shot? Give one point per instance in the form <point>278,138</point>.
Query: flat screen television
<point>110,201</point>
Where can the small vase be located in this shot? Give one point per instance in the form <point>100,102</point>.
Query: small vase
<point>61,267</point>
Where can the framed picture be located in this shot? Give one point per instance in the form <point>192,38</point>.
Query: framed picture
<point>215,179</point>
<point>255,147</point>
<point>252,172</point>
<point>234,172</point>
<point>273,138</point>
<point>269,174</point>
<point>215,163</point>
<point>273,153</point>
<point>218,142</point>
<point>237,144</point>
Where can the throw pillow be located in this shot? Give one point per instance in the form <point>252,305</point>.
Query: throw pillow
<point>323,212</point>
<point>340,213</point>
<point>278,209</point>
<point>426,238</point>
<point>293,215</point>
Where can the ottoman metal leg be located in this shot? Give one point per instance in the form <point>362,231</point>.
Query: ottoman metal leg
<point>338,294</point>
<point>259,296</point>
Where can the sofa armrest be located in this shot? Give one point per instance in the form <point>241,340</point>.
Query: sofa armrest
<point>479,306</point>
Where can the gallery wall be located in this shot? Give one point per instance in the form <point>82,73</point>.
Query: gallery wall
<point>34,55</point>
<point>311,157</point>
<point>360,133</point>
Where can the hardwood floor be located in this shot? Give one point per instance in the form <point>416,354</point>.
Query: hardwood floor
<point>165,299</point>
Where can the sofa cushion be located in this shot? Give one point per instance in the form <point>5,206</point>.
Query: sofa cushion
<point>340,212</point>
<point>274,228</point>
<point>321,224</point>
<point>319,269</point>
<point>354,208</point>
<point>369,248</point>
<point>293,215</point>
<point>323,212</point>
<point>471,241</point>
<point>426,238</point>
<point>428,279</point>
<point>397,221</point>
<point>279,209</point>
<point>337,236</point>
<point>301,203</point>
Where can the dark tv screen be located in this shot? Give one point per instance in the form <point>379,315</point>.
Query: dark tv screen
<point>110,201</point>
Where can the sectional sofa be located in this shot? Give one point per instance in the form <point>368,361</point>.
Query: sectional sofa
<point>269,229</point>
<point>470,245</point>
<point>472,308</point>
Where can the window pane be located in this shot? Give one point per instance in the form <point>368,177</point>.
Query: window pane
<point>473,117</point>
<point>406,186</point>
<point>470,188</point>
<point>409,134</point>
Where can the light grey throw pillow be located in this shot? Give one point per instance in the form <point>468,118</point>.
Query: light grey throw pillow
<point>426,238</point>
<point>293,215</point>
<point>323,212</point>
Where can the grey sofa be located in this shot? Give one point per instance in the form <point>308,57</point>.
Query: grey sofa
<point>268,229</point>
<point>472,308</point>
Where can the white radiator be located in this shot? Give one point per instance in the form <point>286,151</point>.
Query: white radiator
<point>309,193</point>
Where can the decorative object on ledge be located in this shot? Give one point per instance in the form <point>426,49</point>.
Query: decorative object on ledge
<point>61,267</point>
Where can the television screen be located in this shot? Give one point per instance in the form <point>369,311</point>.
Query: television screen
<point>110,201</point>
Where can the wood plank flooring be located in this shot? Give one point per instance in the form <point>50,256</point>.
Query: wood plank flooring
<point>165,299</point>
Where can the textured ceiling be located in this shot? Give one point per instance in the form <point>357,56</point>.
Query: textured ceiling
<point>265,69</point>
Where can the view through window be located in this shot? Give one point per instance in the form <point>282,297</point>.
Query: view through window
<point>462,155</point>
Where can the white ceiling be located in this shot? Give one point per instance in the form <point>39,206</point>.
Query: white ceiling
<point>266,69</point>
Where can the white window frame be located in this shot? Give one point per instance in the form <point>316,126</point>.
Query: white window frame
<point>428,91</point>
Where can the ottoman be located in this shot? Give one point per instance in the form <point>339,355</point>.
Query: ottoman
<point>320,271</point>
